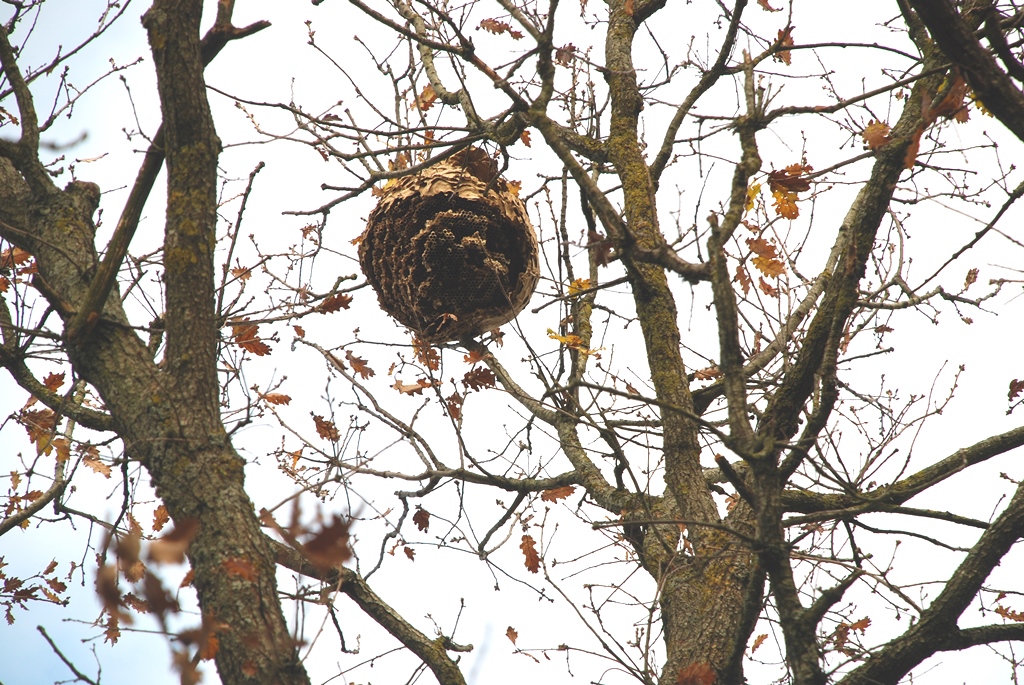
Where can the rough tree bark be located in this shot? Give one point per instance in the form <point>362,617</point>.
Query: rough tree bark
<point>167,417</point>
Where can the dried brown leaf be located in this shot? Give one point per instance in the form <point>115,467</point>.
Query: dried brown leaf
<point>334,303</point>
<point>555,494</point>
<point>532,559</point>
<point>422,519</point>
<point>326,429</point>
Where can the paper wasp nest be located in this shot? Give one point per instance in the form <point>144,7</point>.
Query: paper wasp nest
<point>447,256</point>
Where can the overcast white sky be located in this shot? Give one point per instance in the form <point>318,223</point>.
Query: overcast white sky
<point>276,65</point>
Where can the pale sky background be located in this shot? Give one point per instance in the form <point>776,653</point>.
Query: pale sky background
<point>276,65</point>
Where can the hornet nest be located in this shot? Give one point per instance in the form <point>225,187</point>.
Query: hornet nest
<point>450,251</point>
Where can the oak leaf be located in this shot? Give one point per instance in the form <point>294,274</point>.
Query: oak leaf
<point>525,137</point>
<point>1009,614</point>
<point>474,356</point>
<point>1016,386</point>
<point>565,55</point>
<point>409,552</point>
<point>478,379</point>
<point>276,398</point>
<point>160,518</point>
<point>425,100</point>
<point>326,429</point>
<point>334,303</point>
<point>412,388</point>
<point>743,278</point>
<point>602,248</point>
<point>708,373</point>
<point>785,204</point>
<point>422,519</point>
<point>247,337</point>
<point>532,560</point>
<point>972,278</point>
<point>359,365</point>
<point>758,641</point>
<point>555,494</point>
<point>785,39</point>
<point>511,634</point>
<point>53,381</point>
<point>766,7</point>
<point>498,27</point>
<point>13,256</point>
<point>752,192</point>
<point>94,463</point>
<point>875,134</point>
<point>454,404</point>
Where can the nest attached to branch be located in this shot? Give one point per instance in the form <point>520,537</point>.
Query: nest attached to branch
<point>450,251</point>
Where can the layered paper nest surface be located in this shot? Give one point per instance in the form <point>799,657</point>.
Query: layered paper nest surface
<point>450,251</point>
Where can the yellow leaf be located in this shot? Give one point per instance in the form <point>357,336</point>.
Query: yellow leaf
<point>579,285</point>
<point>752,192</point>
<point>785,204</point>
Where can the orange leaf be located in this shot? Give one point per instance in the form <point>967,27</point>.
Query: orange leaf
<point>326,429</point>
<point>532,560</point>
<point>768,8</point>
<point>358,365</point>
<point>708,373</point>
<point>743,278</point>
<point>767,288</point>
<point>861,625</point>
<point>875,134</point>
<point>160,518</point>
<point>12,257</point>
<point>53,381</point>
<point>511,634</point>
<point>276,398</point>
<point>425,100</point>
<point>334,303</point>
<point>1010,615</point>
<point>785,204</point>
<point>474,356</point>
<point>525,137</point>
<point>246,336</point>
<point>412,388</point>
<point>758,641</point>
<point>241,273</point>
<point>300,331</point>
<point>410,552</point>
<point>915,145</point>
<point>422,519</point>
<point>94,463</point>
<point>772,268</point>
<point>785,39</point>
<point>556,494</point>
<point>426,354</point>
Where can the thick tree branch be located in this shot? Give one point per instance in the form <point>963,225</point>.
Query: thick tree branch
<point>433,652</point>
<point>988,81</point>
